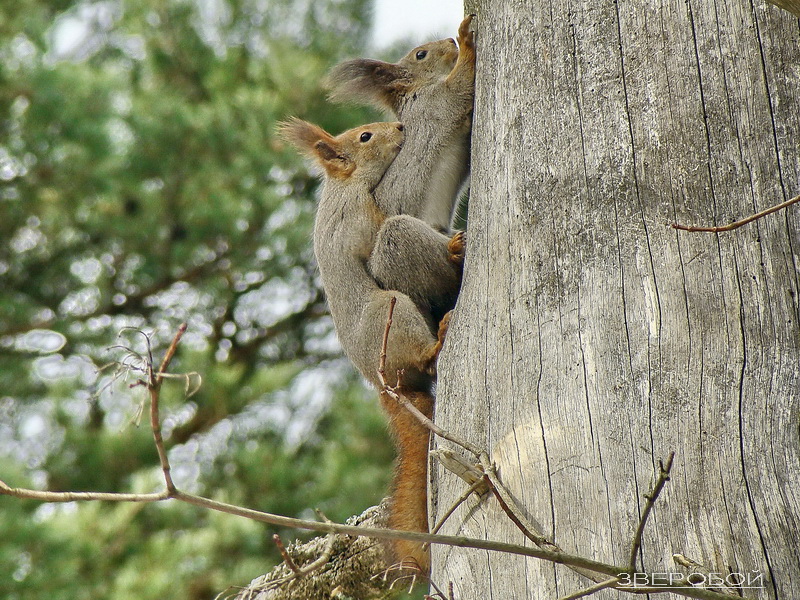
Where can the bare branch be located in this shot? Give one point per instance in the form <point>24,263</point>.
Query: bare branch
<point>392,392</point>
<point>523,523</point>
<point>286,558</point>
<point>300,572</point>
<point>663,477</point>
<point>155,390</point>
<point>556,556</point>
<point>680,587</point>
<point>327,551</point>
<point>470,447</point>
<point>393,534</point>
<point>737,224</point>
<point>509,505</point>
<point>290,522</point>
<point>601,585</point>
<point>46,496</point>
<point>382,361</point>
<point>461,499</point>
<point>168,355</point>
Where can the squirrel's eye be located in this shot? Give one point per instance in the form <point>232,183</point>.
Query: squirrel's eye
<point>365,137</point>
<point>422,54</point>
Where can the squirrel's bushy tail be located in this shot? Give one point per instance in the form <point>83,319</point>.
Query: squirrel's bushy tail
<point>410,494</point>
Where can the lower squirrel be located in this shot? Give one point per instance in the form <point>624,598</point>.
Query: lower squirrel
<point>365,259</point>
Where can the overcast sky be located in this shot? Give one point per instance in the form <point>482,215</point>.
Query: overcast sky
<point>423,19</point>
<point>418,20</point>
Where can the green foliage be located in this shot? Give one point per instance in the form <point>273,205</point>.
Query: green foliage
<point>141,186</point>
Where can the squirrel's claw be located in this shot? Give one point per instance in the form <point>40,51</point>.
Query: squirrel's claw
<point>457,247</point>
<point>465,36</point>
<point>433,358</point>
<point>444,325</point>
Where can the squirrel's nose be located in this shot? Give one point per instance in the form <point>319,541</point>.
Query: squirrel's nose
<point>399,127</point>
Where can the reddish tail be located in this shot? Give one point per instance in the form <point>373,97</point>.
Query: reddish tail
<point>410,495</point>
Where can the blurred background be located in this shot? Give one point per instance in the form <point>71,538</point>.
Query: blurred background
<point>141,186</point>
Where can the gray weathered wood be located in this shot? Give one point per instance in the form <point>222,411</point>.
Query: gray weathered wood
<point>792,6</point>
<point>590,339</point>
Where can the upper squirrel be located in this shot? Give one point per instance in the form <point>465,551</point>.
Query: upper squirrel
<point>431,90</point>
<point>356,245</point>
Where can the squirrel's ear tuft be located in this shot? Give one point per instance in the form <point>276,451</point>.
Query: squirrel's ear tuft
<point>368,81</point>
<point>316,143</point>
<point>302,134</point>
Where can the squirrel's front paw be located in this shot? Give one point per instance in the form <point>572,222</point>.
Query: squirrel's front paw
<point>444,325</point>
<point>456,248</point>
<point>433,356</point>
<point>466,38</point>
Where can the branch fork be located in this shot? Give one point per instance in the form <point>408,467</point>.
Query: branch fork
<point>545,549</point>
<point>482,476</point>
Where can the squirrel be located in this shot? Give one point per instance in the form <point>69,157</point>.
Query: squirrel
<point>366,258</point>
<point>431,90</point>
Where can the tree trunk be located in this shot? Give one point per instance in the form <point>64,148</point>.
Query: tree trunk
<point>591,339</point>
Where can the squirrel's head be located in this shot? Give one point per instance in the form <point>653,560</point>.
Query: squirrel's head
<point>384,84</point>
<point>362,154</point>
<point>431,62</point>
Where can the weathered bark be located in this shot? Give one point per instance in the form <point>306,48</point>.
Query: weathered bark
<point>590,339</point>
<point>792,6</point>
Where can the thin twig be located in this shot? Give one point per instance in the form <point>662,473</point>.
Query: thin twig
<point>506,502</point>
<point>438,592</point>
<point>45,496</point>
<point>460,466</point>
<point>286,558</point>
<point>159,440</point>
<point>281,521</point>
<point>169,354</point>
<point>461,499</point>
<point>738,224</point>
<point>517,516</point>
<point>155,390</point>
<point>470,447</point>
<point>600,585</point>
<point>380,533</point>
<point>382,361</point>
<point>663,477</point>
<point>327,551</point>
<point>457,541</point>
<point>392,392</point>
